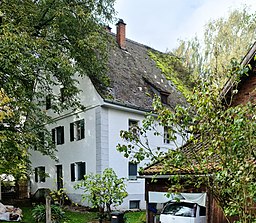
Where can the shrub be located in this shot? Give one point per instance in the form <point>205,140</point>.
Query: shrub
<point>57,214</point>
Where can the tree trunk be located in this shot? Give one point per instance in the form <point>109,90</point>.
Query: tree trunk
<point>108,211</point>
<point>101,214</point>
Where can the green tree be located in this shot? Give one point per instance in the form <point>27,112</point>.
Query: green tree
<point>103,191</point>
<point>224,39</point>
<point>221,148</point>
<point>5,110</point>
<point>44,43</point>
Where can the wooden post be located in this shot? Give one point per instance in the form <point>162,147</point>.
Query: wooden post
<point>48,209</point>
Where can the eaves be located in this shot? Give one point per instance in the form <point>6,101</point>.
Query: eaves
<point>124,107</point>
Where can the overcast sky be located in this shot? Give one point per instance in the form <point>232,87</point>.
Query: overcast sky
<point>160,23</point>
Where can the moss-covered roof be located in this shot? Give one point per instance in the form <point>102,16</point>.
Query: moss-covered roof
<point>135,78</point>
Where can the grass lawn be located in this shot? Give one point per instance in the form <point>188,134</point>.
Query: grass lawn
<point>85,217</point>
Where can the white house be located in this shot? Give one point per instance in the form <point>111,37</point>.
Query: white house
<point>86,140</point>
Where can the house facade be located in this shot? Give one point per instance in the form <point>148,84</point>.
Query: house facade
<point>86,139</point>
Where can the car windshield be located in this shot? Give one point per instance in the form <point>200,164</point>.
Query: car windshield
<point>180,209</point>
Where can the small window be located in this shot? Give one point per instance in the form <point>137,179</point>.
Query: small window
<point>48,103</point>
<point>77,170</point>
<point>164,97</point>
<point>167,135</point>
<point>133,126</point>
<point>58,133</point>
<point>202,211</point>
<point>63,94</point>
<point>40,174</point>
<point>134,204</point>
<point>77,130</point>
<point>133,169</point>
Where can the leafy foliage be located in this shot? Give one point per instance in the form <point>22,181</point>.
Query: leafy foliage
<point>102,191</point>
<point>44,44</point>
<point>174,71</point>
<point>57,214</point>
<point>59,197</point>
<point>224,39</point>
<point>220,151</point>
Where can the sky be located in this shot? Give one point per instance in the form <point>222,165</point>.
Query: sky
<point>159,24</point>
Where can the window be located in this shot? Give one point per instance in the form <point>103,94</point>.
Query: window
<point>134,204</point>
<point>62,94</point>
<point>77,170</point>
<point>202,211</point>
<point>77,130</point>
<point>132,171</point>
<point>59,134</point>
<point>48,104</point>
<point>164,97</point>
<point>167,135</point>
<point>40,174</point>
<point>133,126</point>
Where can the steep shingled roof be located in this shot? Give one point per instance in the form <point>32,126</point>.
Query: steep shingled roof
<point>135,78</point>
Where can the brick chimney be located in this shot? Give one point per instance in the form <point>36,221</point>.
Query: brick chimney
<point>120,34</point>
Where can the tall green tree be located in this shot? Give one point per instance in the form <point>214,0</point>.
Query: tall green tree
<point>224,38</point>
<point>221,149</point>
<point>103,190</point>
<point>44,43</point>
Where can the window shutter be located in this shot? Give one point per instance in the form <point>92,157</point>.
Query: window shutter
<point>83,170</point>
<point>62,134</point>
<point>71,132</point>
<point>36,175</point>
<point>62,94</point>
<point>82,128</point>
<point>48,102</point>
<point>53,136</point>
<point>72,171</point>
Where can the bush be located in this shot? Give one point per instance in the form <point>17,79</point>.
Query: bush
<point>57,214</point>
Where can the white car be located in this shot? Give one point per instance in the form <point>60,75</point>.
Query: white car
<point>183,212</point>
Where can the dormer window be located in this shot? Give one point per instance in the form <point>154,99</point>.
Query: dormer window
<point>164,97</point>
<point>159,91</point>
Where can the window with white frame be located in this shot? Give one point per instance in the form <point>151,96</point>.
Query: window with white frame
<point>77,130</point>
<point>58,135</point>
<point>134,204</point>
<point>77,170</point>
<point>40,174</point>
<point>132,171</point>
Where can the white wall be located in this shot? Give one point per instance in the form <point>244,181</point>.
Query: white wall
<point>70,152</point>
<point>118,120</point>
<point>103,123</point>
